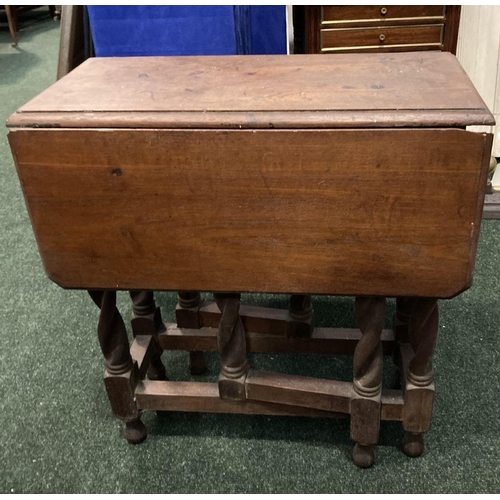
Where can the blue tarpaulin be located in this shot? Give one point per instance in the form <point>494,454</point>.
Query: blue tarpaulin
<point>188,30</point>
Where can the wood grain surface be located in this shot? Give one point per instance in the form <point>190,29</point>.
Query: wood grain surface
<point>242,91</point>
<point>204,397</point>
<point>323,341</point>
<point>377,212</point>
<point>295,390</point>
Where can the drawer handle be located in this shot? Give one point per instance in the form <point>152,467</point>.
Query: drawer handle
<point>383,11</point>
<point>381,38</point>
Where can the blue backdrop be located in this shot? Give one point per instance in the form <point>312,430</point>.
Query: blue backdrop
<point>188,30</point>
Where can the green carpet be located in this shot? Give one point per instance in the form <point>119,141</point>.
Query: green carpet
<point>57,433</point>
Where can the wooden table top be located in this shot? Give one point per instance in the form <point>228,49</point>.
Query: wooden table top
<point>133,180</point>
<point>421,89</point>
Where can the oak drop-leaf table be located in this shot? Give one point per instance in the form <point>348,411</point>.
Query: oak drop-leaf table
<point>352,175</point>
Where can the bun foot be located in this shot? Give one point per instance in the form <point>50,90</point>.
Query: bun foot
<point>135,432</point>
<point>197,363</point>
<point>363,455</point>
<point>413,444</point>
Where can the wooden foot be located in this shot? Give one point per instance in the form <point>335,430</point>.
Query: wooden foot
<point>413,444</point>
<point>197,363</point>
<point>135,431</point>
<point>363,455</point>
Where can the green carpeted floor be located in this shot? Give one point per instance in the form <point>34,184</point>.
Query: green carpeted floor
<point>57,433</point>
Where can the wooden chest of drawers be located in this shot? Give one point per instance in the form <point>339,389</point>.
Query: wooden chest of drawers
<point>289,174</point>
<point>329,29</point>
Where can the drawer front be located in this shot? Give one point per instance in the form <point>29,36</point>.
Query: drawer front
<point>341,212</point>
<point>375,13</point>
<point>380,37</point>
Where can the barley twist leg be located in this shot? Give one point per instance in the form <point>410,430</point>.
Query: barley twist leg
<point>232,347</point>
<point>120,376</point>
<point>146,320</point>
<point>367,382</point>
<point>419,390</point>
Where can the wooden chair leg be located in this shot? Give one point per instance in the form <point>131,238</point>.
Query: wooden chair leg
<point>11,20</point>
<point>186,313</point>
<point>300,322</point>
<point>232,347</point>
<point>120,377</point>
<point>146,320</point>
<point>419,391</point>
<point>367,383</point>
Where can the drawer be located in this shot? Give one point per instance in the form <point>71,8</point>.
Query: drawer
<point>334,14</point>
<point>427,36</point>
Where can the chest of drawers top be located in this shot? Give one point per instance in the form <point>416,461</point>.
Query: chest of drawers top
<point>422,89</point>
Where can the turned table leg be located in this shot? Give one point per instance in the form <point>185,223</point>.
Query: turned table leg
<point>401,324</point>
<point>404,308</point>
<point>367,383</point>
<point>187,316</point>
<point>12,22</point>
<point>120,376</point>
<point>300,317</point>
<point>146,320</point>
<point>419,391</point>
<point>232,347</point>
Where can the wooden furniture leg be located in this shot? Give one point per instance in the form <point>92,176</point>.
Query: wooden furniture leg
<point>120,377</point>
<point>11,20</point>
<point>187,316</point>
<point>232,347</point>
<point>401,323</point>
<point>419,376</point>
<point>300,322</point>
<point>74,39</point>
<point>146,320</point>
<point>404,308</point>
<point>367,383</point>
